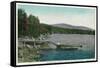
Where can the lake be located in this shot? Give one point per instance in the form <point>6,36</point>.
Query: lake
<point>86,52</point>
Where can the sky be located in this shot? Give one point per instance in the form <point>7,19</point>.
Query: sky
<point>73,15</point>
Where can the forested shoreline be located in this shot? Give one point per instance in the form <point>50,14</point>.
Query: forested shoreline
<point>32,27</point>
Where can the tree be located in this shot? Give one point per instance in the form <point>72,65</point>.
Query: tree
<point>22,23</point>
<point>45,30</point>
<point>25,25</point>
<point>34,26</point>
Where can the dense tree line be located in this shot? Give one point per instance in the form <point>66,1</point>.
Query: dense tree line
<point>30,26</point>
<point>72,31</point>
<point>24,28</point>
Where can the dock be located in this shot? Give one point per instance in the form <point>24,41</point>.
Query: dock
<point>51,44</point>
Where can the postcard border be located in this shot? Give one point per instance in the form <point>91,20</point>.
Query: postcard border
<point>13,33</point>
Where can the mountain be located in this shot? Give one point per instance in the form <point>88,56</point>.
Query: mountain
<point>62,25</point>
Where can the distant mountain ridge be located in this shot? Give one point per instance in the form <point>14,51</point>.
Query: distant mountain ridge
<point>62,25</point>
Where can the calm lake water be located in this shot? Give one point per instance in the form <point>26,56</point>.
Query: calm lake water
<point>86,52</point>
<point>66,55</point>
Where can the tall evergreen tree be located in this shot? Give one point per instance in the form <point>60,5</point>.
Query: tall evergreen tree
<point>22,23</point>
<point>34,26</point>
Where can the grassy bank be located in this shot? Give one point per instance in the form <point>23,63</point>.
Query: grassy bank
<point>30,54</point>
<point>26,54</point>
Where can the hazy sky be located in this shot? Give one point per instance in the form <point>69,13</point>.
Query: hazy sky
<point>69,15</point>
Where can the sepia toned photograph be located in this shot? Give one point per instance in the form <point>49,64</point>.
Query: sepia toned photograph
<point>50,33</point>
